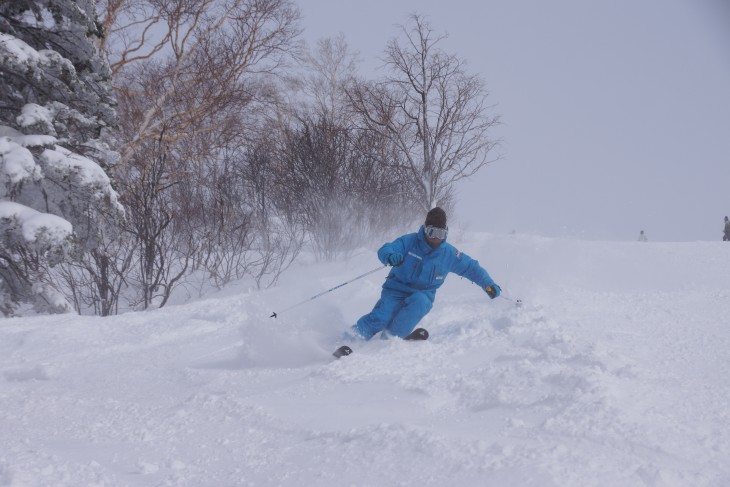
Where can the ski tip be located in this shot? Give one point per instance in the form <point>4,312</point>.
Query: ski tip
<point>343,351</point>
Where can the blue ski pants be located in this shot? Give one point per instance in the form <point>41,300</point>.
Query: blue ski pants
<point>396,311</point>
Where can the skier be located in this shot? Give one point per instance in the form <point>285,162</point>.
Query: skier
<point>642,237</point>
<point>726,236</point>
<point>420,264</point>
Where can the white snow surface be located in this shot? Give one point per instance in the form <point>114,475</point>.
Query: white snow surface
<point>33,114</point>
<point>36,225</point>
<point>614,372</point>
<point>16,164</point>
<point>67,162</point>
<point>16,50</point>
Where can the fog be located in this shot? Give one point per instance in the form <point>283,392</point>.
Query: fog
<point>615,115</point>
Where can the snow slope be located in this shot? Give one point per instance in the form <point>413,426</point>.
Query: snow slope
<point>615,372</point>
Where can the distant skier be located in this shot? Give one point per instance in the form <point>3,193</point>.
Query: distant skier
<point>726,236</point>
<point>420,264</point>
<point>642,237</point>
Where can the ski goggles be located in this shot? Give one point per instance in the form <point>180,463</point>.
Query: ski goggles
<point>436,232</point>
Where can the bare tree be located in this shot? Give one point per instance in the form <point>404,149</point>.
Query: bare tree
<point>188,59</point>
<point>384,197</point>
<point>161,258</point>
<point>432,110</point>
<point>279,235</point>
<point>310,179</point>
<point>330,174</point>
<point>96,281</point>
<point>330,69</point>
<point>333,179</point>
<point>193,79</point>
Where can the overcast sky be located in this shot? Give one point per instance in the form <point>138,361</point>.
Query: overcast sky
<point>615,113</point>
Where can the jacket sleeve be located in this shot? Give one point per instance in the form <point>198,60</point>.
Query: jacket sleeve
<point>465,266</point>
<point>397,246</point>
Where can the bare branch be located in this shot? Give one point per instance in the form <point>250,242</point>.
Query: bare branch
<point>431,109</point>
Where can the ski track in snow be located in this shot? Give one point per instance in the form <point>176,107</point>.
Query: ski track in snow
<point>614,373</point>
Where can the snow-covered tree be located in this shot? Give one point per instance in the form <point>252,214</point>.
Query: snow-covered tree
<point>56,106</point>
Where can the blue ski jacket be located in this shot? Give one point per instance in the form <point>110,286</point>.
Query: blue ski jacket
<point>424,268</point>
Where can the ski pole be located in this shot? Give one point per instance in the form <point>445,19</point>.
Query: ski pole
<point>517,302</point>
<point>275,314</point>
<point>491,291</point>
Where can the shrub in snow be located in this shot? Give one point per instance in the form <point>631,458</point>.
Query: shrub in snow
<point>56,106</point>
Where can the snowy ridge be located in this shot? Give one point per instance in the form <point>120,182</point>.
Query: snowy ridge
<point>613,373</point>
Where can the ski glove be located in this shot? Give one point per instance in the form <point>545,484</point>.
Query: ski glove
<point>493,290</point>
<point>395,259</point>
